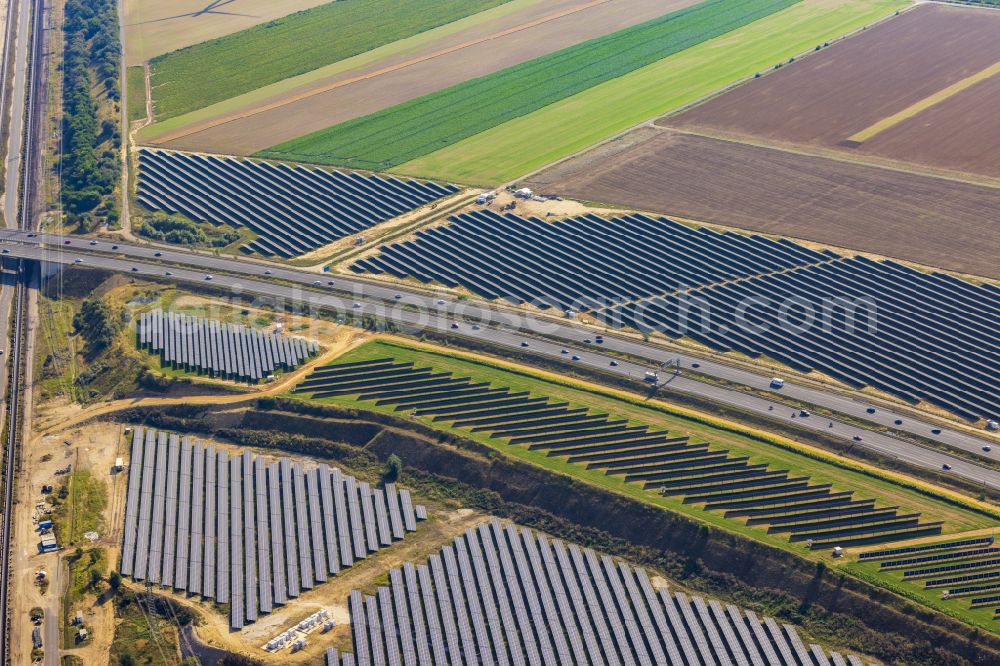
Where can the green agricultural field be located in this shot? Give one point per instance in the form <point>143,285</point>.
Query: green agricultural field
<point>410,130</point>
<point>199,75</point>
<point>528,143</point>
<point>821,468</point>
<point>135,93</point>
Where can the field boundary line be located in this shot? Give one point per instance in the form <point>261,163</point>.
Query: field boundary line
<point>916,108</point>
<point>188,131</point>
<point>654,121</point>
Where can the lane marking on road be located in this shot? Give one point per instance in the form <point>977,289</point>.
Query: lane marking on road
<point>222,120</point>
<point>922,105</point>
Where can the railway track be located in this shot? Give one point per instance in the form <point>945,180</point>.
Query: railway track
<point>24,181</point>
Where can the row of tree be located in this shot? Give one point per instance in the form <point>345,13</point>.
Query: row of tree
<point>90,163</point>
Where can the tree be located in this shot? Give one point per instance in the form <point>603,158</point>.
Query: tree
<point>99,323</point>
<point>95,578</point>
<point>114,580</point>
<point>393,468</point>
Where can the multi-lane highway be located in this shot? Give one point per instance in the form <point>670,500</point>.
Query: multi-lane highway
<point>505,327</point>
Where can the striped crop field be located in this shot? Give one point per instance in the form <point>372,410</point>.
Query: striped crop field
<point>768,492</point>
<point>525,144</point>
<point>410,130</point>
<point>292,45</point>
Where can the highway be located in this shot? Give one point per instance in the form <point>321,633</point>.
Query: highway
<point>510,329</point>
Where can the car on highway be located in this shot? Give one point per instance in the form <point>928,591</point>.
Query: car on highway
<point>78,260</point>
<point>440,301</point>
<point>168,273</point>
<point>777,382</point>
<point>524,343</point>
<point>329,283</point>
<point>564,351</point>
<point>209,277</point>
<point>987,448</point>
<point>475,327</point>
<point>114,247</point>
<point>804,413</point>
<point>575,357</point>
<point>6,251</point>
<point>93,242</point>
<point>317,283</point>
<point>135,269</point>
<point>946,467</point>
<point>357,305</point>
<point>157,254</point>
<point>614,364</point>
<point>857,438</point>
<point>454,325</point>
<point>267,272</point>
<point>398,296</point>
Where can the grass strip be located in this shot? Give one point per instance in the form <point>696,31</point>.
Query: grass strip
<point>290,46</point>
<point>404,132</point>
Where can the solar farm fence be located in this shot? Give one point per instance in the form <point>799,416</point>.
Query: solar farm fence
<point>229,351</point>
<point>291,209</point>
<point>244,531</point>
<point>504,595</point>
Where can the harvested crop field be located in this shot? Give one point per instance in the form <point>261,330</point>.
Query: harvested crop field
<point>483,48</point>
<point>918,89</point>
<point>154,27</point>
<point>934,221</point>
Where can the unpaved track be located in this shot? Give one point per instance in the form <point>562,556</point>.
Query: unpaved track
<point>932,221</point>
<point>538,30</point>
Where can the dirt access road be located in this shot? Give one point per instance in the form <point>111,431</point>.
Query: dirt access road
<point>481,49</point>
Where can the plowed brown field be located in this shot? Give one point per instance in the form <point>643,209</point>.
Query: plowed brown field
<point>827,98</point>
<point>933,221</point>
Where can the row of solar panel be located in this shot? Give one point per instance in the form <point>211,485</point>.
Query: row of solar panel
<point>584,262</point>
<point>293,210</point>
<point>672,465</point>
<point>867,323</point>
<point>912,550</point>
<point>960,568</point>
<point>244,532</point>
<point>223,350</point>
<point>918,336</point>
<point>510,597</point>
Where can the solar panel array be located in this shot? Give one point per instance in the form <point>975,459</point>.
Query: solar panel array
<point>508,596</point>
<point>292,209</point>
<point>914,335</point>
<point>777,500</point>
<point>581,262</point>
<point>960,569</point>
<point>244,531</point>
<point>917,336</point>
<point>230,351</point>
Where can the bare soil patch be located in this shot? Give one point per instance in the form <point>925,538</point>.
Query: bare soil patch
<point>828,97</point>
<point>154,27</point>
<point>932,221</point>
<point>517,38</point>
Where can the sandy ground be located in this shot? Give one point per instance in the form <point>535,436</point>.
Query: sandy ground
<point>521,36</point>
<point>154,27</point>
<point>826,99</point>
<point>929,220</point>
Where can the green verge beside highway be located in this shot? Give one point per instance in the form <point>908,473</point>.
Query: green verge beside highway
<point>418,127</point>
